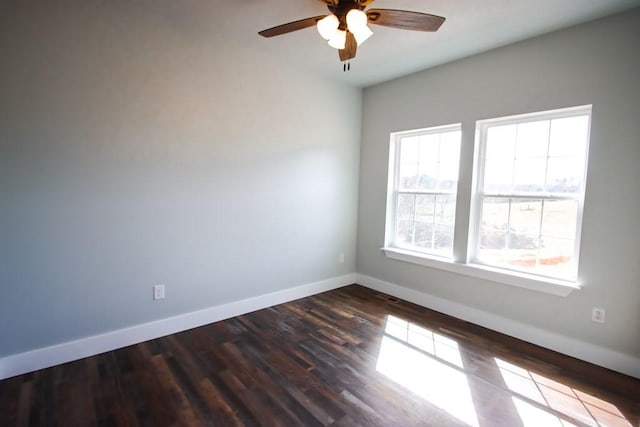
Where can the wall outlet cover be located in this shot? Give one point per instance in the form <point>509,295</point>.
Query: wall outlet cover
<point>158,292</point>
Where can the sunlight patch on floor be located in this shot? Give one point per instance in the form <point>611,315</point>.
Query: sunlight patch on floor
<point>431,366</point>
<point>559,397</point>
<point>407,357</point>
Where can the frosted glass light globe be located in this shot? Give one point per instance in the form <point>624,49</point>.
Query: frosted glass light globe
<point>357,24</point>
<point>328,26</point>
<point>339,40</point>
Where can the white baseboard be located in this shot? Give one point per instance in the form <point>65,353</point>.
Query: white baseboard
<point>66,352</point>
<point>69,351</point>
<point>597,355</point>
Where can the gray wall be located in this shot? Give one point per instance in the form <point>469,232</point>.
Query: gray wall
<point>140,145</point>
<point>596,63</point>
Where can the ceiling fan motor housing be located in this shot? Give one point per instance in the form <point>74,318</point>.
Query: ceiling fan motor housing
<point>342,8</point>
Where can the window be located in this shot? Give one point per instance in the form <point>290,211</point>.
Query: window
<point>424,178</point>
<point>523,223</point>
<point>530,191</point>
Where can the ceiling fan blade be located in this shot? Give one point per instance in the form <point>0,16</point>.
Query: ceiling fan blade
<point>350,48</point>
<point>405,19</point>
<point>291,26</point>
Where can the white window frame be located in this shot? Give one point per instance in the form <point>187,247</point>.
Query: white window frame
<point>395,191</point>
<point>464,261</point>
<point>479,195</point>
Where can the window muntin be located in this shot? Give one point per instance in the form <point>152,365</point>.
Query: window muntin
<point>530,192</point>
<point>424,175</point>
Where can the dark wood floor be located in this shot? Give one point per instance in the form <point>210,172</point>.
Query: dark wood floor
<point>350,357</point>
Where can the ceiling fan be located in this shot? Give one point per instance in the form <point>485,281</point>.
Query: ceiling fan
<point>346,27</point>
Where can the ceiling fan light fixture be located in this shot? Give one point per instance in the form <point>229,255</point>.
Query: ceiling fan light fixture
<point>356,19</point>
<point>328,26</point>
<point>357,24</point>
<point>339,40</point>
<point>346,25</point>
<point>362,35</point>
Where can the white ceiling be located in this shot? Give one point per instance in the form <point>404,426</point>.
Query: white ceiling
<point>472,26</point>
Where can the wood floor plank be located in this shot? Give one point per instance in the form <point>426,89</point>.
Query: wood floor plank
<point>348,357</point>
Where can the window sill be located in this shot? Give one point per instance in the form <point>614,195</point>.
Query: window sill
<point>520,280</point>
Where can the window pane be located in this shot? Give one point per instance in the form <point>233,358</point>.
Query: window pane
<point>426,221</point>
<point>429,148</point>
<point>425,207</point>
<point>569,136</point>
<point>522,238</point>
<point>492,240</point>
<point>451,139</point>
<point>525,216</point>
<point>406,206</point>
<point>449,161</point>
<point>492,246</point>
<point>428,175</point>
<point>559,218</point>
<point>501,142</point>
<point>529,175</point>
<point>408,178</point>
<point>495,214</point>
<point>522,246</point>
<point>513,250</point>
<point>533,139</point>
<point>493,229</point>
<point>409,149</point>
<point>428,157</point>
<point>409,162</point>
<point>522,251</point>
<point>404,233</point>
<point>565,175</point>
<point>556,251</point>
<point>448,184</point>
<point>556,257</point>
<point>498,176</point>
<point>439,156</point>
<point>423,235</point>
<point>445,210</point>
<point>443,238</point>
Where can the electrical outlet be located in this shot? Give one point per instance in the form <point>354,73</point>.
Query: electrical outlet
<point>158,292</point>
<point>597,314</point>
<point>341,257</point>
